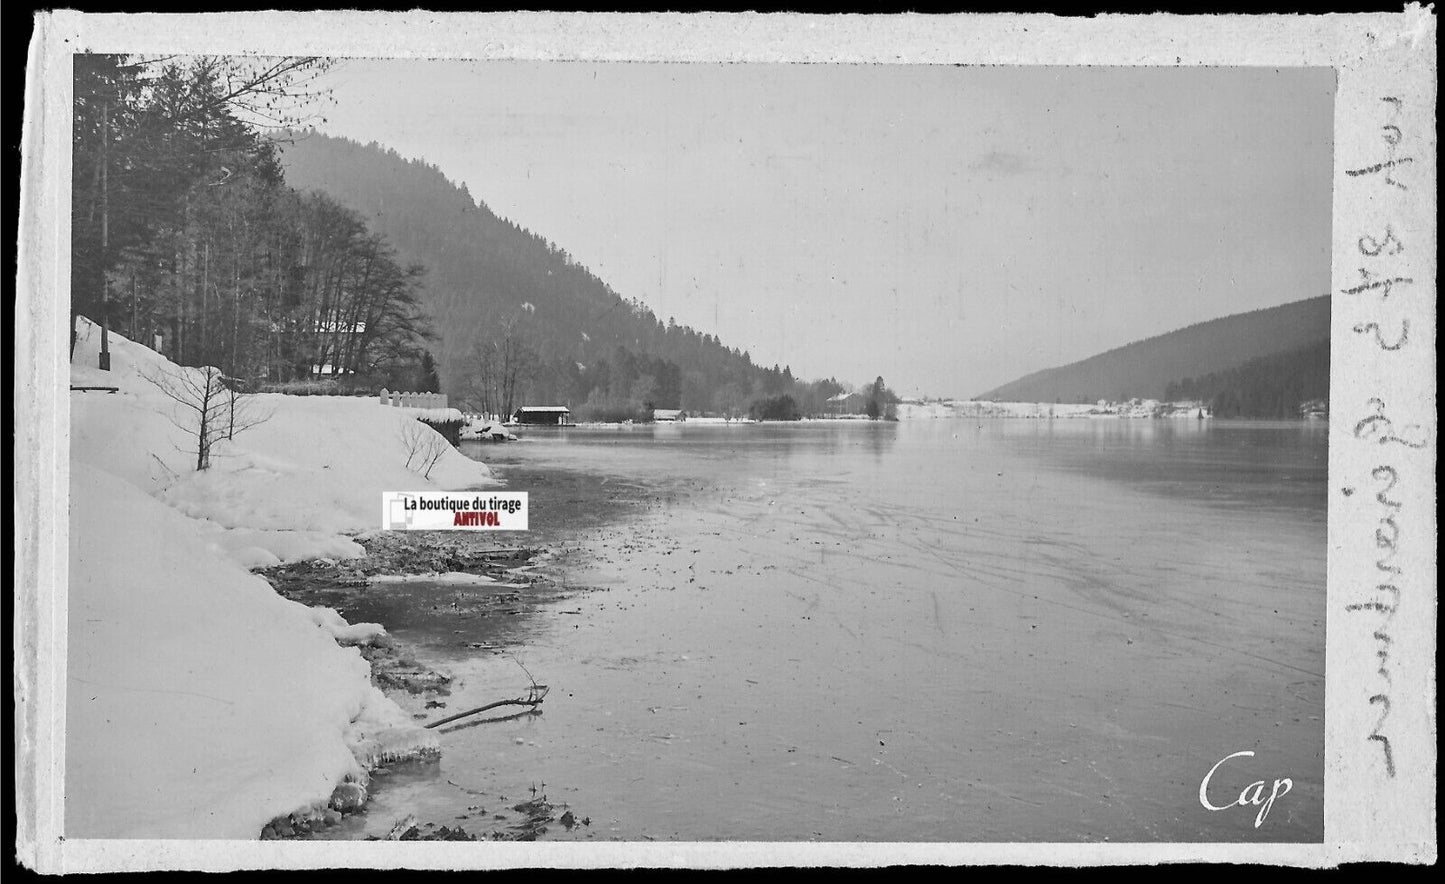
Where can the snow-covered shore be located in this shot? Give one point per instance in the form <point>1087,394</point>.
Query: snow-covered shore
<point>970,408</point>
<point>201,704</point>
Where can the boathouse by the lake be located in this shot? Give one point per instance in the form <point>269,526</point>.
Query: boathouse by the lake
<point>669,414</point>
<point>544,415</point>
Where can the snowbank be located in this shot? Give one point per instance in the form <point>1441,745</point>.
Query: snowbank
<point>314,469</point>
<point>435,415</point>
<point>485,430</point>
<point>345,633</point>
<point>201,704</point>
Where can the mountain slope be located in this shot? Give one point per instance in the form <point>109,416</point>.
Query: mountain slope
<point>485,272</point>
<point>1145,369</point>
<point>1273,386</point>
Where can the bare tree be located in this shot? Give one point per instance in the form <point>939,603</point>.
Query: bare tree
<point>502,367</point>
<point>242,412</point>
<point>519,364</point>
<point>424,447</point>
<point>213,406</point>
<point>483,381</point>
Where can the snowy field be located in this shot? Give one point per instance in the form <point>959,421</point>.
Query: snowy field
<point>201,704</point>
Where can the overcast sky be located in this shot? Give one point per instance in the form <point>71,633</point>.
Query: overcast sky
<point>949,228</point>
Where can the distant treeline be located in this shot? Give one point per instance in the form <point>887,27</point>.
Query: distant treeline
<point>1269,387</point>
<point>185,235</point>
<point>629,386</point>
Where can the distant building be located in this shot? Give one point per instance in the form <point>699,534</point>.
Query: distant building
<point>338,336</point>
<point>543,415</point>
<point>846,403</point>
<point>669,414</point>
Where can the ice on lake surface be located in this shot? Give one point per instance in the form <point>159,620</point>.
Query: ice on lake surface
<point>939,630</point>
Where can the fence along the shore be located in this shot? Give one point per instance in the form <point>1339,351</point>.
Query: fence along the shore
<point>413,400</point>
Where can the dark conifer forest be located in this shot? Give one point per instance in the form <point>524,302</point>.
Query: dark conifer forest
<point>1269,387</point>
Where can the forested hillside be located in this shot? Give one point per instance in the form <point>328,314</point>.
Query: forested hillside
<point>1269,387</point>
<point>517,317</point>
<point>1145,369</point>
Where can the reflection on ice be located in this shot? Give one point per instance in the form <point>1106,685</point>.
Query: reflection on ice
<point>940,630</point>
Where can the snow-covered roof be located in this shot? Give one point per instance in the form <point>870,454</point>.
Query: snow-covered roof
<point>547,408</point>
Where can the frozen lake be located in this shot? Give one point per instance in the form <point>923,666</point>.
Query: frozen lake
<point>935,630</point>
